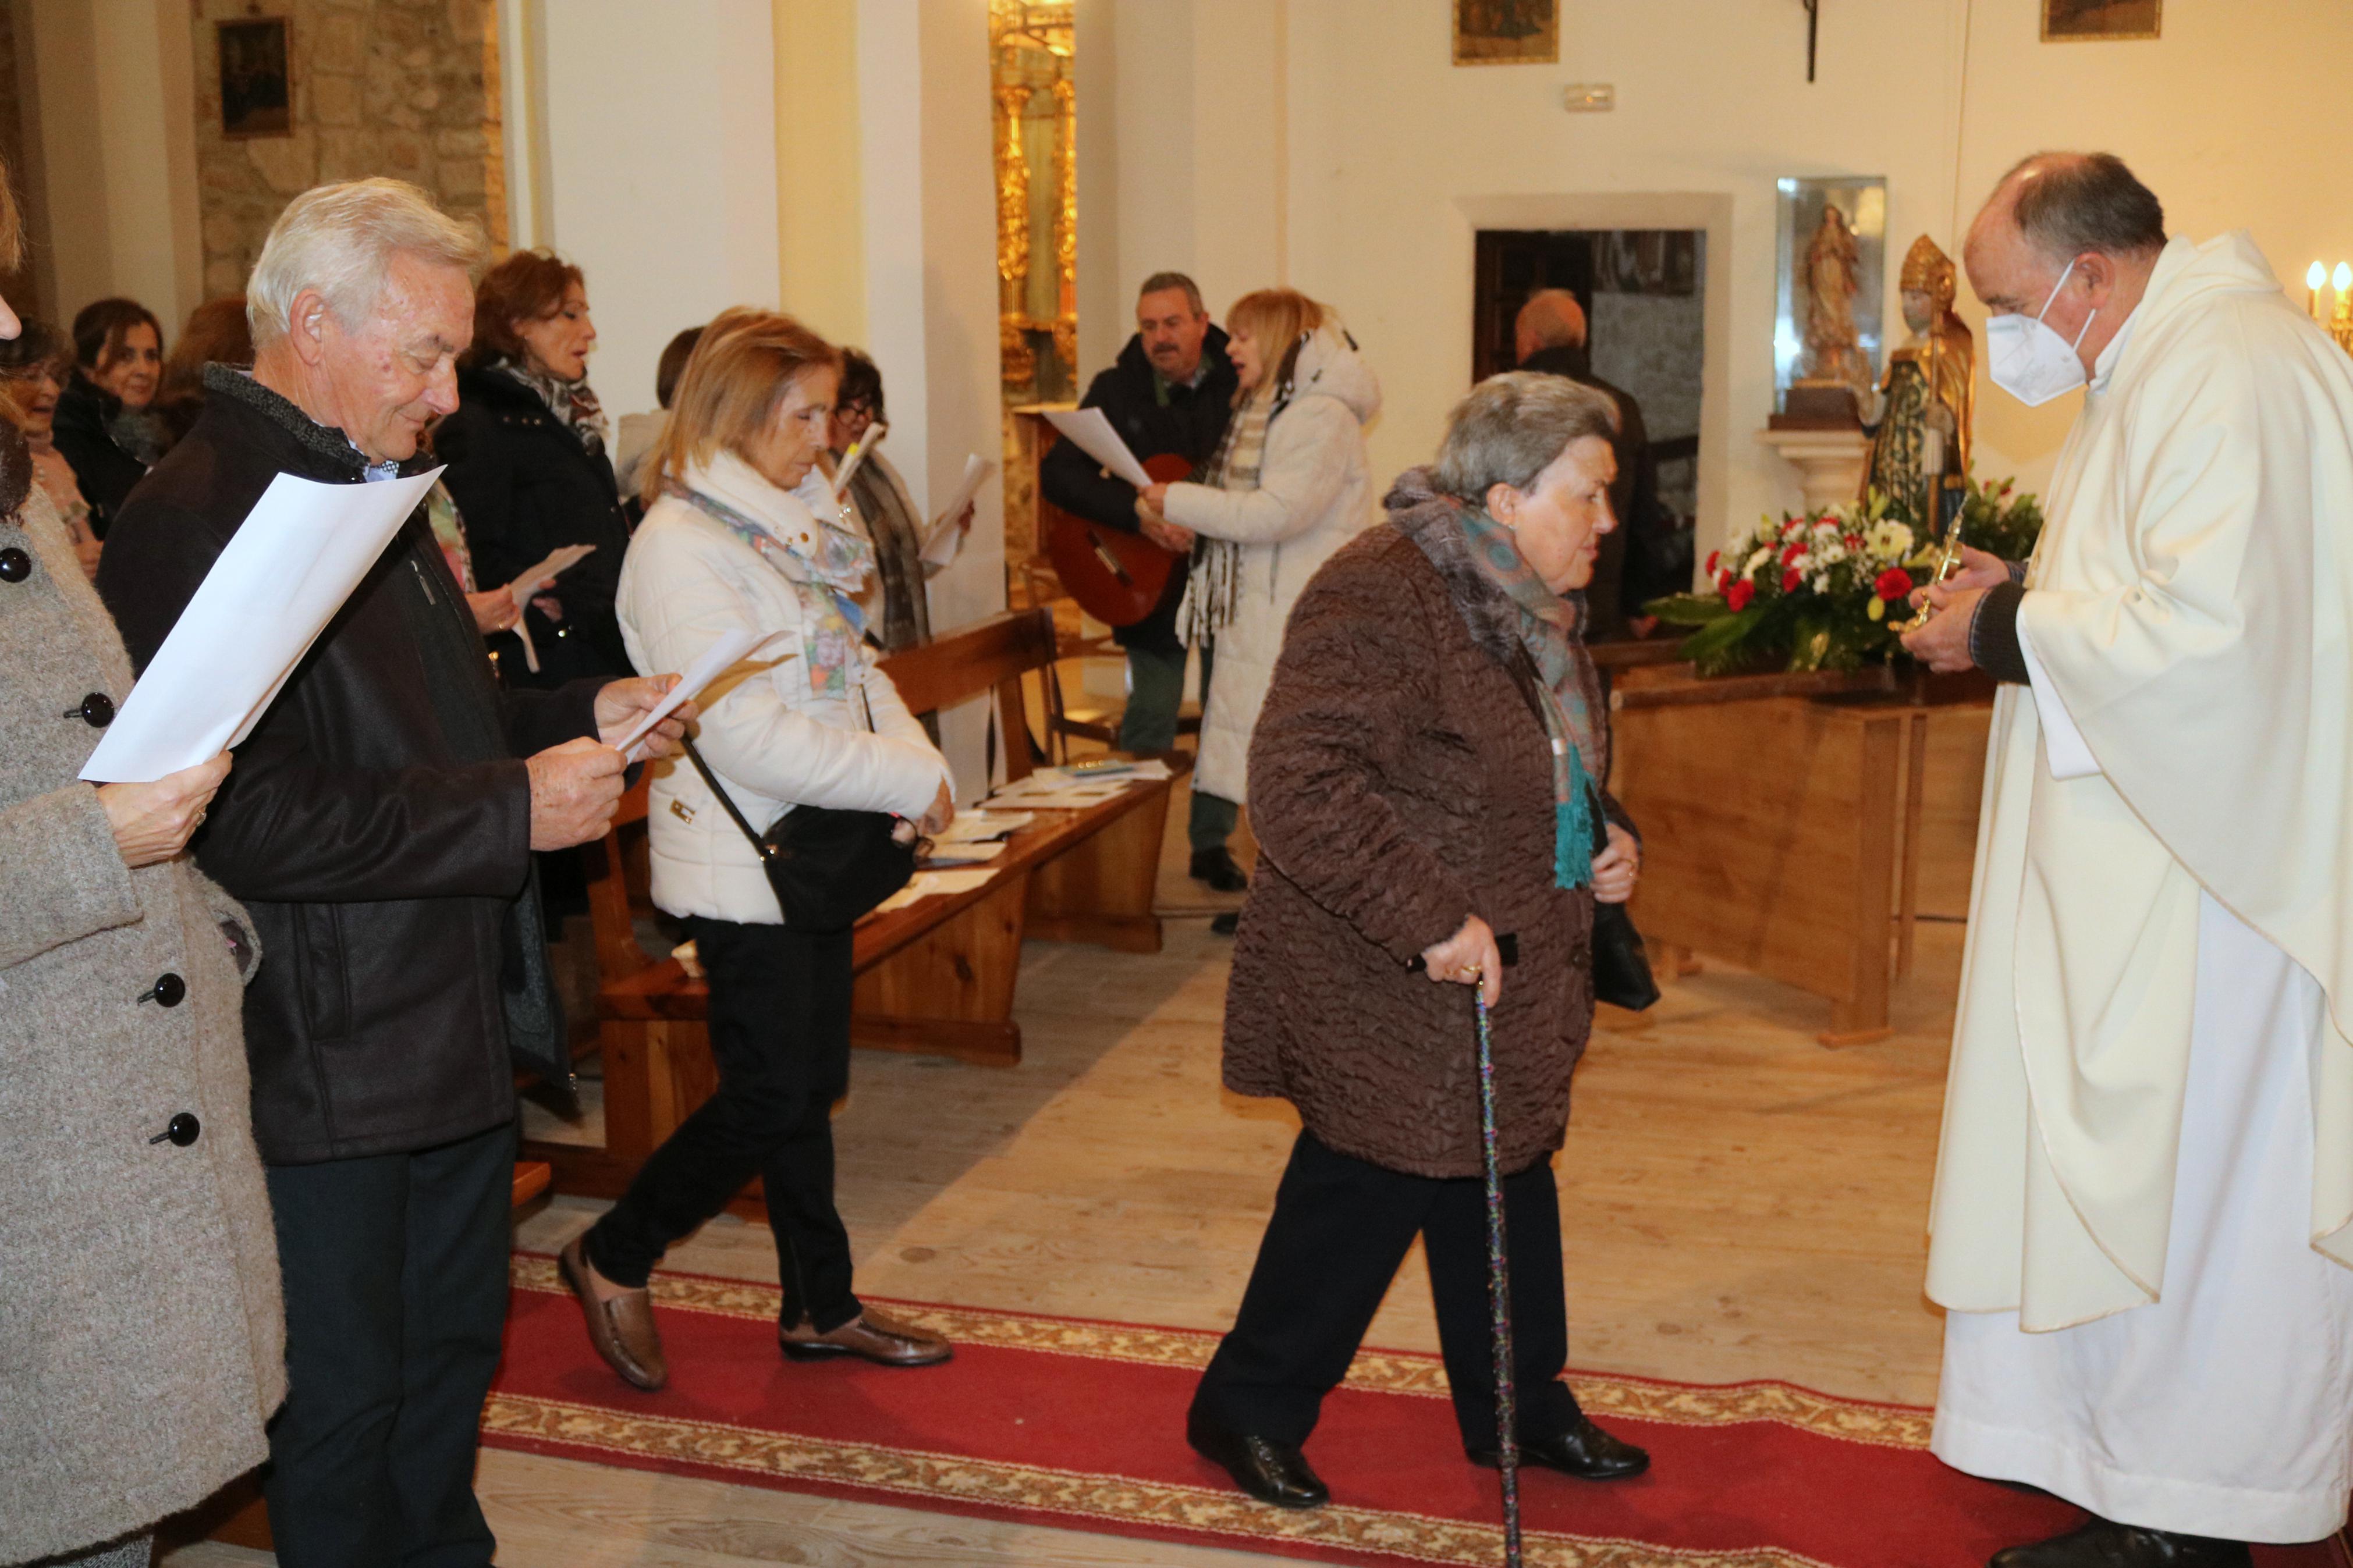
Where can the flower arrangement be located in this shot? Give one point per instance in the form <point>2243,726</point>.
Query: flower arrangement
<point>1825,590</point>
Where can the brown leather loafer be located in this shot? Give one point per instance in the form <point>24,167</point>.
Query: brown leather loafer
<point>622,1328</point>
<point>870,1336</point>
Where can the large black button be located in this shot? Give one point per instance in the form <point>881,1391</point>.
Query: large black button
<point>14,566</point>
<point>97,710</point>
<point>181,1130</point>
<point>169,991</point>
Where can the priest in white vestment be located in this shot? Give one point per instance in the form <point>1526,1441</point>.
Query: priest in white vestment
<point>2143,1217</point>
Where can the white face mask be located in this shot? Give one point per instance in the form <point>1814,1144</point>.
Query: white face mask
<point>2029,359</point>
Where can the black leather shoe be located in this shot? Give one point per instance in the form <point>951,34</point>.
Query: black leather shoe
<point>1226,924</point>
<point>2101,1544</point>
<point>1217,868</point>
<point>1273,1472</point>
<point>1585,1451</point>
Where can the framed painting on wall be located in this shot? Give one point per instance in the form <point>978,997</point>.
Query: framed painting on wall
<point>257,87</point>
<point>1506,32</point>
<point>2079,20</point>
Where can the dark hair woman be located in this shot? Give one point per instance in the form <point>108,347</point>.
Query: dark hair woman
<point>727,546</point>
<point>528,468</point>
<point>106,429</point>
<point>900,607</point>
<point>34,366</point>
<point>217,333</point>
<point>1426,774</point>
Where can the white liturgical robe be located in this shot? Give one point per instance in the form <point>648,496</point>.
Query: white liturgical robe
<point>2150,1056</point>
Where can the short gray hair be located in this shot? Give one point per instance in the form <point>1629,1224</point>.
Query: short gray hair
<point>340,241</point>
<point>2077,201</point>
<point>1512,426</point>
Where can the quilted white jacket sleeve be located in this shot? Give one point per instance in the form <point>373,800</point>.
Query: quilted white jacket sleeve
<point>686,584</point>
<point>1307,463</point>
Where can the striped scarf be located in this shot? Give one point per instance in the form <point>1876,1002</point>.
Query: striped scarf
<point>1213,593</point>
<point>827,578</point>
<point>1552,630</point>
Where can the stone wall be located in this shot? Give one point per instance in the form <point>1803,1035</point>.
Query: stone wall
<point>404,88</point>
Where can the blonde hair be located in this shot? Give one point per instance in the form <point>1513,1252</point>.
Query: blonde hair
<point>744,362</point>
<point>1276,320</point>
<point>340,241</point>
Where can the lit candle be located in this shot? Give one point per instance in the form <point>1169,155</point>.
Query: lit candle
<point>2315,276</point>
<point>2342,280</point>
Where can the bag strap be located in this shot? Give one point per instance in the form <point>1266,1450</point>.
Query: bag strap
<point>759,844</point>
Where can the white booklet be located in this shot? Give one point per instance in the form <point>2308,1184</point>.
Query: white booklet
<point>941,544</point>
<point>291,566</point>
<point>1097,439</point>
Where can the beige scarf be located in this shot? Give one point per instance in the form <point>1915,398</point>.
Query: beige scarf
<point>1214,591</point>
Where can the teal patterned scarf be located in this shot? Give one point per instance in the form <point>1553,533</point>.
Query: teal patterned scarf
<point>827,578</point>
<point>1551,630</point>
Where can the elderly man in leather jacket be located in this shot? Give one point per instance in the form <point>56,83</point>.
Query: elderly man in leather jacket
<point>380,831</point>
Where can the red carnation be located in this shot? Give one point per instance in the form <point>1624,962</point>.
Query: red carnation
<point>1894,584</point>
<point>1713,557</point>
<point>1736,598</point>
<point>1795,553</point>
<point>1855,542</point>
<point>1790,578</point>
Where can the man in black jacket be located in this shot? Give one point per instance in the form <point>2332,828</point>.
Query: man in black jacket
<point>1172,390</point>
<point>1551,337</point>
<point>379,830</point>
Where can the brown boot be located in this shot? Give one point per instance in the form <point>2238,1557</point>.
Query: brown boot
<point>622,1327</point>
<point>883,1340</point>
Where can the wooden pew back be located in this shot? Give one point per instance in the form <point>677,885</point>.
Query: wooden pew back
<point>990,655</point>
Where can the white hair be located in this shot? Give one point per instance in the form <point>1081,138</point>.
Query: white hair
<point>340,241</point>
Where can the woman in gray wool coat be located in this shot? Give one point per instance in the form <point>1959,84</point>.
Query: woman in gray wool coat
<point>139,1298</point>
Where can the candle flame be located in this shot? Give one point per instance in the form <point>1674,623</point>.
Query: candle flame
<point>2342,278</point>
<point>2316,275</point>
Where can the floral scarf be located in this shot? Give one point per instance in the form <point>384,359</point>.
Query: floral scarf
<point>1552,630</point>
<point>826,576</point>
<point>573,402</point>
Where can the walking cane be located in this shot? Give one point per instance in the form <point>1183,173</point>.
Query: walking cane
<point>1499,1291</point>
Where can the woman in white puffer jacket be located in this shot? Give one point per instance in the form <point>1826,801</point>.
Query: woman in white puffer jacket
<point>808,720</point>
<point>1289,486</point>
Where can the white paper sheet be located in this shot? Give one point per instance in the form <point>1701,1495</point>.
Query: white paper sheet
<point>540,576</point>
<point>935,884</point>
<point>940,545</point>
<point>1097,439</point>
<point>731,649</point>
<point>839,483</point>
<point>293,561</point>
<point>957,852</point>
<point>977,825</point>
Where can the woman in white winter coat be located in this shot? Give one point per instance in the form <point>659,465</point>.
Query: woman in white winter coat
<point>808,720</point>
<point>1289,485</point>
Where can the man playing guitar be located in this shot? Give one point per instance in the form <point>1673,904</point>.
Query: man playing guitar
<point>1169,395</point>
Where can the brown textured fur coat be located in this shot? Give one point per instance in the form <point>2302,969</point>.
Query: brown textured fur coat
<point>1399,781</point>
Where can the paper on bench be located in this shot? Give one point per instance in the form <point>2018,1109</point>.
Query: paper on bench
<point>935,884</point>
<point>288,568</point>
<point>964,853</point>
<point>974,827</point>
<point>1094,435</point>
<point>731,649</point>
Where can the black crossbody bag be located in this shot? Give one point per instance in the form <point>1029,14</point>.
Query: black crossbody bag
<point>826,865</point>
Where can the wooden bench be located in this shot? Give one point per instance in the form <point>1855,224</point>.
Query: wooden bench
<point>935,976</point>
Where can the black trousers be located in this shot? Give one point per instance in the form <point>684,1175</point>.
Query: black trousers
<point>780,1035</point>
<point>1341,1226</point>
<point>396,1275</point>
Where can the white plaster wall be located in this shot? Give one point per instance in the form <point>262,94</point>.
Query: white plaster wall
<point>929,234</point>
<point>116,100</point>
<point>660,170</point>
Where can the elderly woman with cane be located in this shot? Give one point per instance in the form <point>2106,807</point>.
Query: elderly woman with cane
<point>1426,785</point>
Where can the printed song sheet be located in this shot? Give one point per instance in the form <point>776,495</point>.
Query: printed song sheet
<point>293,561</point>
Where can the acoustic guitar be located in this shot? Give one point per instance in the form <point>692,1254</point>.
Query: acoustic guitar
<point>1117,578</point>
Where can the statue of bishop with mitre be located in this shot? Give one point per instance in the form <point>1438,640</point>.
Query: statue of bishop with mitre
<point>1920,447</point>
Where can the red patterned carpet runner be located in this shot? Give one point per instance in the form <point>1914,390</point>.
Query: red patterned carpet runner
<point>1056,1421</point>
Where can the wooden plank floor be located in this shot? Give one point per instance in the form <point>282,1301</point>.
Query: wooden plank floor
<point>1737,1202</point>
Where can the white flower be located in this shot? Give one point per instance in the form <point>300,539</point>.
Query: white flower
<point>1888,540</point>
<point>1761,555</point>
